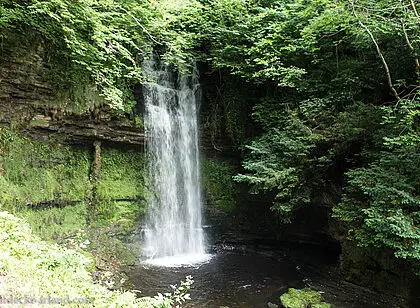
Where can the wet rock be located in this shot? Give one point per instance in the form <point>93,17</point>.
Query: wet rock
<point>378,269</point>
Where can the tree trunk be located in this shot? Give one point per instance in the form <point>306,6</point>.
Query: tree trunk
<point>93,200</point>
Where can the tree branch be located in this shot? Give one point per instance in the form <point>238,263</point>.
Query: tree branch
<point>141,26</point>
<point>388,73</point>
<point>414,8</point>
<point>378,49</point>
<point>407,39</point>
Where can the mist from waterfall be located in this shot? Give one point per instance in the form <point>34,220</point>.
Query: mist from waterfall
<point>174,234</point>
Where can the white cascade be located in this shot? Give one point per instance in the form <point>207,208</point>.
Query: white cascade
<point>174,234</point>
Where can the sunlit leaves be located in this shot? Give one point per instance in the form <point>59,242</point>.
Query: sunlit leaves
<point>382,200</point>
<point>338,115</point>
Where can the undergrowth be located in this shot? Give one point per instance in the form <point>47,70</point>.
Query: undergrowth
<point>55,224</point>
<point>35,272</point>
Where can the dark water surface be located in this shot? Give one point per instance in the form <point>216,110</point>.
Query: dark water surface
<point>228,279</point>
<point>243,277</point>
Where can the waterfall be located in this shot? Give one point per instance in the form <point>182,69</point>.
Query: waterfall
<point>174,235</point>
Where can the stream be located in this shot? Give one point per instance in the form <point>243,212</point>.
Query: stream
<point>244,276</point>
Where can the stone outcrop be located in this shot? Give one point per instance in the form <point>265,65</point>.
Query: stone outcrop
<point>22,85</point>
<point>29,101</point>
<point>82,130</point>
<point>378,269</point>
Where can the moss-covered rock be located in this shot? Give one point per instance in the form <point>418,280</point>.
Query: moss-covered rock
<point>218,184</point>
<point>56,224</point>
<point>303,298</point>
<point>36,174</point>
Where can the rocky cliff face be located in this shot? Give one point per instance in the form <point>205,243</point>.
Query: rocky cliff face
<point>30,102</point>
<point>22,86</point>
<point>90,157</point>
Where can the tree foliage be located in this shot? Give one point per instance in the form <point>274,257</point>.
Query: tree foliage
<point>382,203</point>
<point>345,104</point>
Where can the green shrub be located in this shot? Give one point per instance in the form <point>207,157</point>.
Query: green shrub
<point>55,224</point>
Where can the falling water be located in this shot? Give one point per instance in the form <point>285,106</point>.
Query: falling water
<point>174,235</point>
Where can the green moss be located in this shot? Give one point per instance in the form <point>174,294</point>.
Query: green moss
<point>35,172</point>
<point>295,298</point>
<point>218,184</point>
<point>321,305</point>
<point>55,224</point>
<point>122,174</point>
<point>121,189</point>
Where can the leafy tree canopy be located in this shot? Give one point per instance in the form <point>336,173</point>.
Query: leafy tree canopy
<point>344,113</point>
